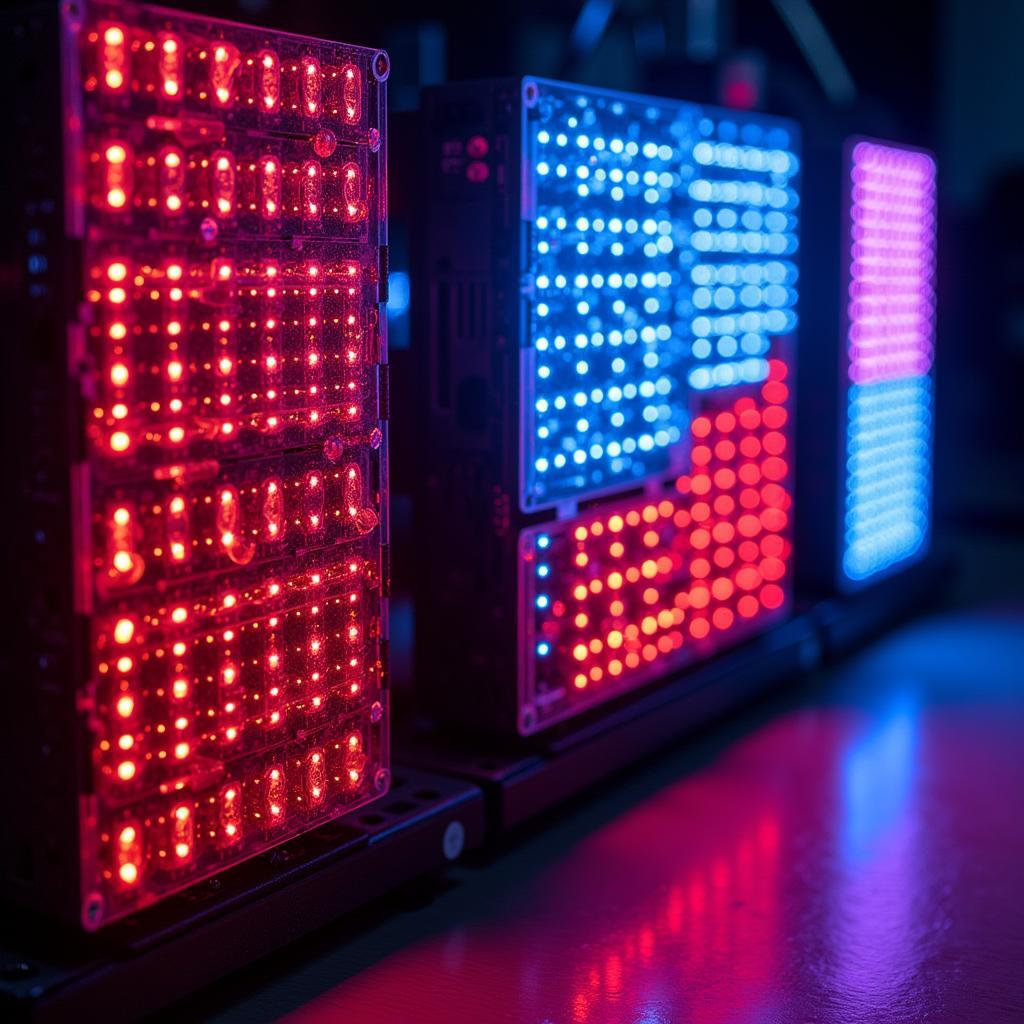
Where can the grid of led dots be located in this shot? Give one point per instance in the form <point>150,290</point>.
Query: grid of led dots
<point>629,590</point>
<point>890,347</point>
<point>227,183</point>
<point>745,237</point>
<point>660,260</point>
<point>604,400</point>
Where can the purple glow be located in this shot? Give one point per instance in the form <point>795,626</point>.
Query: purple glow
<point>892,264</point>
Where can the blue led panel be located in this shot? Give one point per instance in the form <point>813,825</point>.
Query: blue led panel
<point>890,350</point>
<point>657,265</point>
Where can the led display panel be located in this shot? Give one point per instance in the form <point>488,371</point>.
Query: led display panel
<point>218,444</point>
<point>889,351</point>
<point>610,282</point>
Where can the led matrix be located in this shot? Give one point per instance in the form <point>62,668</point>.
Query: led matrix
<point>659,262</point>
<point>630,589</point>
<point>608,349</point>
<point>228,187</point>
<point>890,345</point>
<point>662,287</point>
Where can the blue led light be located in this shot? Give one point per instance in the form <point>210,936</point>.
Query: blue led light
<point>659,263</point>
<point>888,474</point>
<point>607,339</point>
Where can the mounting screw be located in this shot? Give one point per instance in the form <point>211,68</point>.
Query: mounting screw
<point>530,93</point>
<point>381,65</point>
<point>334,449</point>
<point>454,840</point>
<point>382,780</point>
<point>325,142</point>
<point>92,910</point>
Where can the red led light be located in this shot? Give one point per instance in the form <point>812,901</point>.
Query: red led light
<point>170,63</point>
<point>236,495</point>
<point>113,57</point>
<point>268,88</point>
<point>224,60</point>
<point>630,590</point>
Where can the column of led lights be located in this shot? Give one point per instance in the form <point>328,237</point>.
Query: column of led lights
<point>230,203</point>
<point>662,304</point>
<point>890,345</point>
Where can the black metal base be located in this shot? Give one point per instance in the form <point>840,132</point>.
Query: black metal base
<point>145,963</point>
<point>846,623</point>
<point>522,781</point>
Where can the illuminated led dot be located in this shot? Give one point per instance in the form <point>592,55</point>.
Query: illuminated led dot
<point>126,771</point>
<point>123,561</point>
<point>124,630</point>
<point>128,873</point>
<point>181,751</point>
<point>125,706</point>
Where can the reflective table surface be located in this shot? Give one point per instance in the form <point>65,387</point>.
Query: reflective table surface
<point>851,850</point>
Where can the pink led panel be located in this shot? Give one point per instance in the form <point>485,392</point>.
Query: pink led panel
<point>227,187</point>
<point>892,263</point>
<point>634,588</point>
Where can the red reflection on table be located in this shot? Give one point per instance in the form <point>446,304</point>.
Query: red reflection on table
<point>854,857</point>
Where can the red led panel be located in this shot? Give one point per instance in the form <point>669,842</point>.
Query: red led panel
<point>227,186</point>
<point>634,588</point>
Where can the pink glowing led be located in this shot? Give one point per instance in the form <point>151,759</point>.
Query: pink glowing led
<point>892,263</point>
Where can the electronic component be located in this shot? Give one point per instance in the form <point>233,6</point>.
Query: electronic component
<point>866,491</point>
<point>610,284</point>
<point>200,358</point>
<point>890,338</point>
